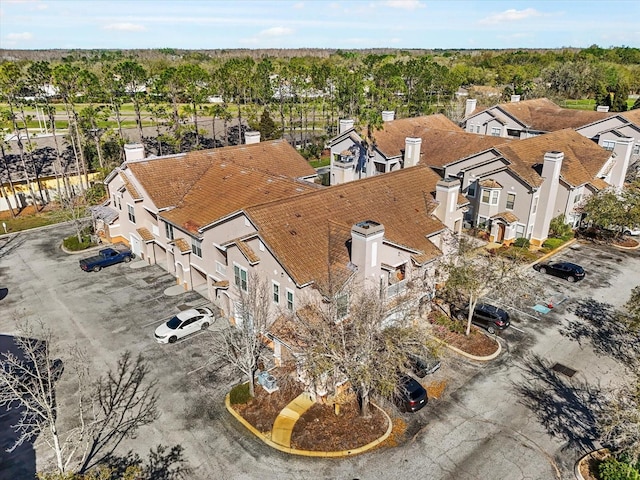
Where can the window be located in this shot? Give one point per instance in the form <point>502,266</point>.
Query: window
<point>240,276</point>
<point>276,292</point>
<point>472,127</point>
<point>342,306</point>
<point>132,213</point>
<point>511,200</point>
<point>220,268</point>
<point>471,189</point>
<point>495,131</point>
<point>636,149</point>
<point>577,198</point>
<point>535,205</point>
<point>168,231</point>
<point>519,230</point>
<point>477,128</point>
<point>490,196</point>
<point>482,221</point>
<point>289,299</point>
<point>196,247</point>
<point>608,145</point>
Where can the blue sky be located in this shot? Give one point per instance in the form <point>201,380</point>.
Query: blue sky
<point>205,24</point>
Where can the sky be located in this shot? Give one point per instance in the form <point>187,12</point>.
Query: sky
<point>210,24</point>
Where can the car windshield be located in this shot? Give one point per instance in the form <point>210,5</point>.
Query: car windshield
<point>173,323</point>
<point>415,394</point>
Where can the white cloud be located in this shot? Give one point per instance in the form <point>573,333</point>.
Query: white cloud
<point>298,6</point>
<point>276,32</point>
<point>125,27</point>
<point>404,4</point>
<point>510,16</point>
<point>20,36</point>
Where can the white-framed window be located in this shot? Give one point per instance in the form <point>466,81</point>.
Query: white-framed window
<point>472,127</point>
<point>240,276</point>
<point>482,221</point>
<point>477,128</point>
<point>495,131</point>
<point>196,247</point>
<point>608,144</point>
<point>511,200</point>
<point>220,268</point>
<point>132,213</point>
<point>168,230</point>
<point>577,198</point>
<point>289,299</point>
<point>276,292</point>
<point>471,189</point>
<point>490,196</point>
<point>519,230</point>
<point>342,306</point>
<point>636,149</point>
<point>535,205</point>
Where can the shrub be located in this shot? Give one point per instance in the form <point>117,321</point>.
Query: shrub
<point>553,243</point>
<point>71,243</point>
<point>239,394</point>
<point>450,324</point>
<point>522,242</point>
<point>613,469</point>
<point>558,228</point>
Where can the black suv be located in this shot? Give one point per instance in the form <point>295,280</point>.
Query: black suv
<point>569,271</point>
<point>411,395</point>
<point>488,317</point>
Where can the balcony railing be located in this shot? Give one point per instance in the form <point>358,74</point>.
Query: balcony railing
<point>396,288</point>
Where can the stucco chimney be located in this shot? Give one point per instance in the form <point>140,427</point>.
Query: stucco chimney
<point>133,151</point>
<point>412,151</point>
<point>447,198</point>
<point>515,98</point>
<point>366,251</point>
<point>622,154</point>
<point>602,108</point>
<point>388,115</point>
<point>251,137</point>
<point>545,210</point>
<point>470,106</point>
<point>344,125</point>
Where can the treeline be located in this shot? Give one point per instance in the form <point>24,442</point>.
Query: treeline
<point>184,94</point>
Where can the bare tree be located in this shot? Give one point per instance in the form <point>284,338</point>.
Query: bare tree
<point>473,273</point>
<point>350,338</point>
<point>241,344</point>
<point>619,419</point>
<point>92,420</point>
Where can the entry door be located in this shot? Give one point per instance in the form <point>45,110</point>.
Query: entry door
<point>136,245</point>
<point>501,228</point>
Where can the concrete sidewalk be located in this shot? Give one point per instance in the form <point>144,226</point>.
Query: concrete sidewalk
<point>287,418</point>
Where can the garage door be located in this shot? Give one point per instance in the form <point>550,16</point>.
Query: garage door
<point>136,245</point>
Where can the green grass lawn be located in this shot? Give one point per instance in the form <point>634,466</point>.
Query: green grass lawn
<point>27,221</point>
<point>323,162</point>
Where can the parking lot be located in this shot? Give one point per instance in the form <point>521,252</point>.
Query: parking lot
<point>483,427</point>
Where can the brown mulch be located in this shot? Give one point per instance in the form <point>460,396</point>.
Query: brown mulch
<point>475,344</point>
<point>626,242</point>
<point>320,429</point>
<point>589,465</point>
<point>261,411</point>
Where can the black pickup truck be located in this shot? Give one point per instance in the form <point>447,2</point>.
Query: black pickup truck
<point>106,257</point>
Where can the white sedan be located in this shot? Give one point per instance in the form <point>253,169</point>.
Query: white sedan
<point>183,324</point>
<point>635,231</point>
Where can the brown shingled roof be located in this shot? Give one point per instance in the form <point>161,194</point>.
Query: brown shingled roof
<point>632,116</point>
<point>544,115</point>
<point>248,252</point>
<point>145,234</point>
<point>490,183</point>
<point>508,217</point>
<point>582,157</point>
<point>130,187</point>
<point>391,139</point>
<point>182,245</point>
<point>307,231</point>
<point>168,179</point>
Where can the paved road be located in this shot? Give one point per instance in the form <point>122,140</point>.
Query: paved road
<point>510,419</point>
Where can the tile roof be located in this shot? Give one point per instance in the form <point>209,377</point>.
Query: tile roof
<point>544,115</point>
<point>248,252</point>
<point>391,139</point>
<point>582,157</point>
<point>166,180</point>
<point>221,284</point>
<point>508,217</point>
<point>145,234</point>
<point>308,234</point>
<point>632,116</point>
<point>225,188</point>
<point>133,191</point>
<point>182,245</point>
<point>490,183</point>
<point>599,183</point>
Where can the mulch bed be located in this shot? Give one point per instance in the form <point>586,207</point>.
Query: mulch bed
<point>262,410</point>
<point>475,344</point>
<point>320,429</point>
<point>626,242</point>
<point>589,465</point>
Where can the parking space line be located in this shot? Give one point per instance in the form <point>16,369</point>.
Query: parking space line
<point>517,329</point>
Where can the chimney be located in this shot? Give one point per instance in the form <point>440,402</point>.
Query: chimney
<point>133,151</point>
<point>366,250</point>
<point>447,198</point>
<point>602,108</point>
<point>622,152</point>
<point>515,98</point>
<point>470,106</point>
<point>344,125</point>
<point>388,115</point>
<point>251,137</point>
<point>547,196</point>
<point>411,151</point>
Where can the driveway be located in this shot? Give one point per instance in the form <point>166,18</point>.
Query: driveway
<point>492,422</point>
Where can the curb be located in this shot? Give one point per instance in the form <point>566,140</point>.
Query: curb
<point>309,453</point>
<point>468,355</point>
<point>576,467</point>
<point>553,252</point>
<point>86,250</point>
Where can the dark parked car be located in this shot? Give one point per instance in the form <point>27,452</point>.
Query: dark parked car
<point>423,366</point>
<point>107,256</point>
<point>569,271</point>
<point>488,317</point>
<point>411,395</point>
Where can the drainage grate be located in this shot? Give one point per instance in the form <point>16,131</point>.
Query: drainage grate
<point>149,280</point>
<point>563,369</point>
<point>183,306</point>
